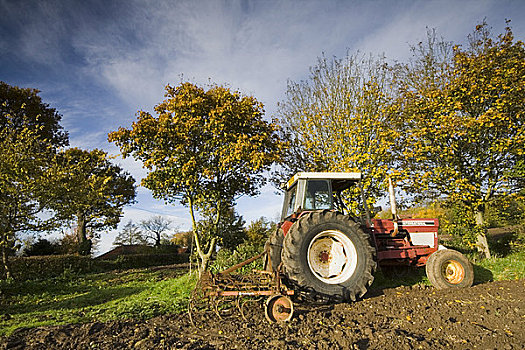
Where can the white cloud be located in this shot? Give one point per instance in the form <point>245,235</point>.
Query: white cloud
<point>254,50</point>
<point>452,19</point>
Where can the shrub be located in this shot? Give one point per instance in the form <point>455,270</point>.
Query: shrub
<point>134,261</point>
<point>505,211</point>
<point>227,258</point>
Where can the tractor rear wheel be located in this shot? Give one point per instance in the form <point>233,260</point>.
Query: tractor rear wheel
<point>326,253</point>
<point>448,268</point>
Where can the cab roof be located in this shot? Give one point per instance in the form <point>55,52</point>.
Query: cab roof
<point>341,176</point>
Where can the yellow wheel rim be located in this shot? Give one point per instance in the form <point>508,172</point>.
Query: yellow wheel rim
<point>453,272</point>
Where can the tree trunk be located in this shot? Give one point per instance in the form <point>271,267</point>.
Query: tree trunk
<point>481,241</point>
<point>203,257</point>
<point>365,205</point>
<point>5,261</point>
<point>84,244</point>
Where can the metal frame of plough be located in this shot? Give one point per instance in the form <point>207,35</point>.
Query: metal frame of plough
<point>213,289</point>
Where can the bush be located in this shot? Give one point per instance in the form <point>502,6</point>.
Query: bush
<point>505,211</point>
<point>135,261</point>
<point>510,240</point>
<point>227,258</point>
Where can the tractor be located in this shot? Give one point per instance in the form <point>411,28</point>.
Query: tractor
<point>321,252</point>
<point>327,254</point>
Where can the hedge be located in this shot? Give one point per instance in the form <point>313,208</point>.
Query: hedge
<point>43,267</point>
<point>133,261</point>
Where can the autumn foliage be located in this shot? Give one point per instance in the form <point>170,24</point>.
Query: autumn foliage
<point>448,124</point>
<point>464,138</point>
<point>203,148</point>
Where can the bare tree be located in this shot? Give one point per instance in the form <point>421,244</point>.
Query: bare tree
<point>155,228</point>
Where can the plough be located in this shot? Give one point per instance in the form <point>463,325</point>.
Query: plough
<point>217,293</point>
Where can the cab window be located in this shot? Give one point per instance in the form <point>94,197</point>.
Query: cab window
<point>290,202</point>
<point>317,195</point>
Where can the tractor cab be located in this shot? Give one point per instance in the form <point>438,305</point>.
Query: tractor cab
<point>309,191</point>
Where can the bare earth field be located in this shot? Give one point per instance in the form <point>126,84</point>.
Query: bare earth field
<point>486,316</point>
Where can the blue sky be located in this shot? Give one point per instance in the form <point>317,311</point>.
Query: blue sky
<point>98,62</point>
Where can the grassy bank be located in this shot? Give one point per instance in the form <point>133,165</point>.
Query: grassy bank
<point>143,293</point>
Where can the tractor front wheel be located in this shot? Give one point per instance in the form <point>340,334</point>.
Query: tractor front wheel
<point>449,268</point>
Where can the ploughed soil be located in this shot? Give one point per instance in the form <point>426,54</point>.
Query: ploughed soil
<point>485,316</point>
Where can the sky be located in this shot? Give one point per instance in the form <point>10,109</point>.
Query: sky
<point>100,61</point>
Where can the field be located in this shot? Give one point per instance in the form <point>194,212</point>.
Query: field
<point>145,308</point>
<point>137,294</point>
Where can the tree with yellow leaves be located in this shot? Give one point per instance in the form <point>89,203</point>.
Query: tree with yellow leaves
<point>341,119</point>
<point>30,135</point>
<point>203,149</point>
<point>461,139</point>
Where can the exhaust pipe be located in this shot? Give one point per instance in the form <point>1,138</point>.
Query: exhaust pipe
<point>393,207</point>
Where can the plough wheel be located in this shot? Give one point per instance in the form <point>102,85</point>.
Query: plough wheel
<point>278,308</point>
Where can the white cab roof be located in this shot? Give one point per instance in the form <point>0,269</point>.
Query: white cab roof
<point>323,176</point>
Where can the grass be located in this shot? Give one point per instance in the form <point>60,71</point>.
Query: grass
<point>144,293</point>
<point>132,294</point>
<point>509,267</point>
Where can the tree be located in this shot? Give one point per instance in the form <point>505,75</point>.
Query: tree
<point>203,150</point>
<point>340,120</point>
<point>42,247</point>
<point>183,239</point>
<point>259,230</point>
<point>155,228</point>
<point>93,194</point>
<point>68,243</point>
<point>29,138</point>
<point>517,176</point>
<point>428,68</point>
<point>24,180</point>
<point>130,235</point>
<point>465,136</point>
<point>230,231</point>
<point>23,109</point>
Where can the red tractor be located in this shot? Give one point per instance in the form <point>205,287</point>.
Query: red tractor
<point>324,252</point>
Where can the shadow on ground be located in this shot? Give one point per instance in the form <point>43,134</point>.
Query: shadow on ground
<point>482,275</point>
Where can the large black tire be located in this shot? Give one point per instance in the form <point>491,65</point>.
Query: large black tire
<point>328,255</point>
<point>447,268</point>
<point>273,247</point>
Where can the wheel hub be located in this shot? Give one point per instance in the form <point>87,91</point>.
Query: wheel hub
<point>332,257</point>
<point>278,308</point>
<point>324,257</point>
<point>453,272</point>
